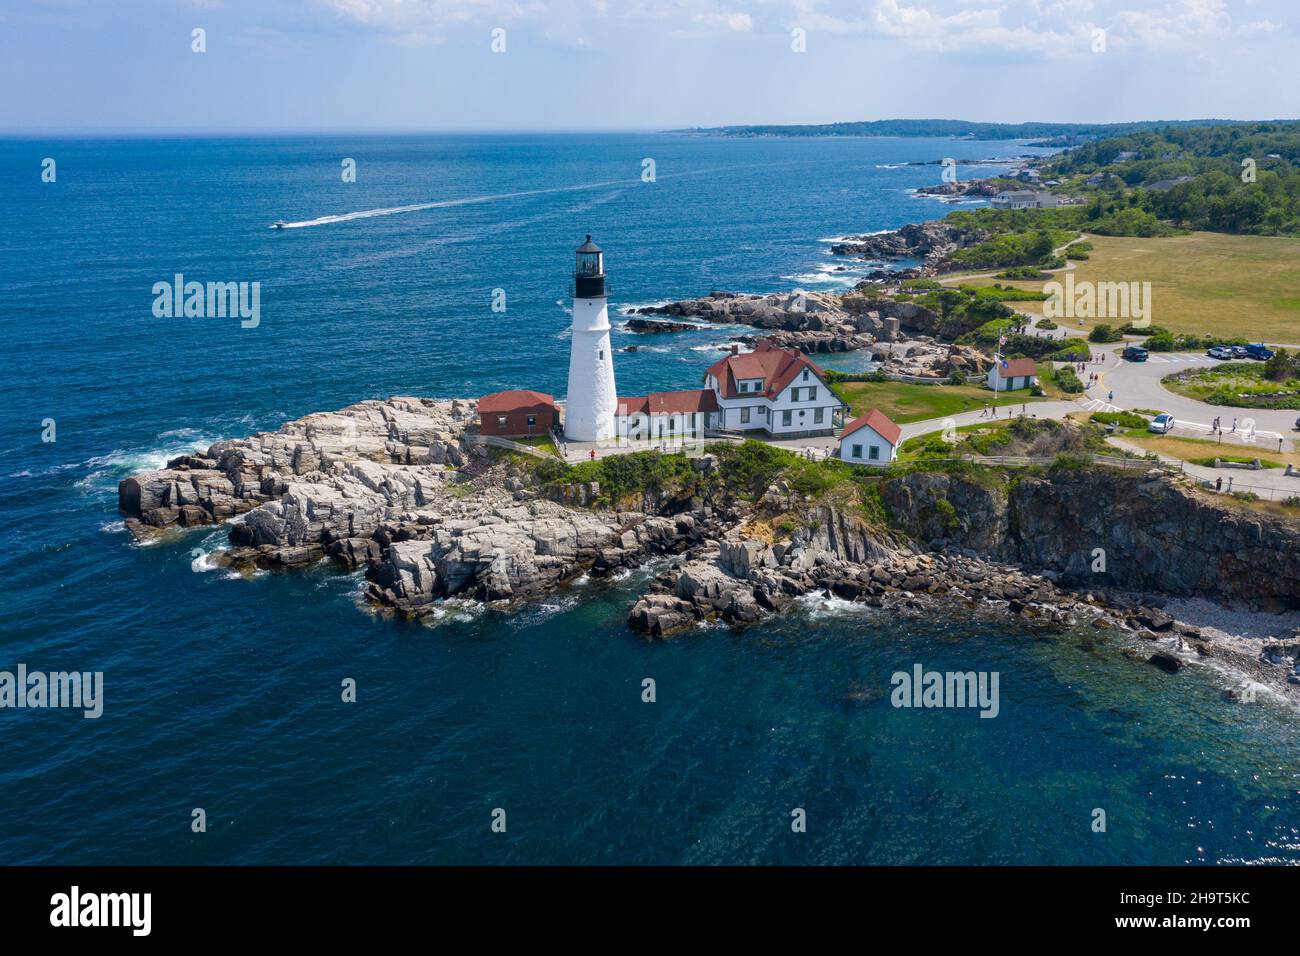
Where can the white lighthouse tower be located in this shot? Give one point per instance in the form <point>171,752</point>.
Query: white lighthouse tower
<point>592,400</point>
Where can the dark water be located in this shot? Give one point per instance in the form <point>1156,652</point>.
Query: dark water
<point>223,693</point>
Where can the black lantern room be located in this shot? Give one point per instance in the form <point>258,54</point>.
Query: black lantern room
<point>589,272</point>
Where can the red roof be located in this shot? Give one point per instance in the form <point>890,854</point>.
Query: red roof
<point>777,367</point>
<point>1017,368</point>
<point>878,422</point>
<point>668,403</point>
<point>514,400</point>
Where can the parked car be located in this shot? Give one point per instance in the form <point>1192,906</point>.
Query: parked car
<point>1220,352</point>
<point>1135,353</point>
<point>1259,351</point>
<point>1161,423</point>
<point>1239,351</point>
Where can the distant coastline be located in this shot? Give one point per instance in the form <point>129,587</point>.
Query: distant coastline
<point>1053,134</point>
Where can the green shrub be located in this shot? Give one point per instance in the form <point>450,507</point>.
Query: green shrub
<point>1122,419</point>
<point>1076,350</point>
<point>1068,380</point>
<point>947,514</point>
<point>1105,333</point>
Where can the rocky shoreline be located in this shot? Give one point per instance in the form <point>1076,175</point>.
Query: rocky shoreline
<point>930,242</point>
<point>404,489</point>
<point>901,334</point>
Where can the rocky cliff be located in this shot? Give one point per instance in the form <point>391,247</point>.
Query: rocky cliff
<point>400,488</point>
<point>1098,528</point>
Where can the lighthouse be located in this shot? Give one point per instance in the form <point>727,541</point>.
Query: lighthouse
<point>592,399</point>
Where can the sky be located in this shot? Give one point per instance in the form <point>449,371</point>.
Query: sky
<point>87,65</point>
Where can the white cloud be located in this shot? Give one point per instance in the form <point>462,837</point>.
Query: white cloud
<point>1031,27</point>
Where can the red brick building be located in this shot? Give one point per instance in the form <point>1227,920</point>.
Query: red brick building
<point>517,413</point>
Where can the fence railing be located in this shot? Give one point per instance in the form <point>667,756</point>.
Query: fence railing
<point>496,441</point>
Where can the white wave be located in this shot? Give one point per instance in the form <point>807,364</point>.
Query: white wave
<point>112,527</point>
<point>892,165</point>
<point>626,308</point>
<point>454,609</point>
<point>856,235</point>
<point>204,557</point>
<point>818,604</point>
<point>741,348</point>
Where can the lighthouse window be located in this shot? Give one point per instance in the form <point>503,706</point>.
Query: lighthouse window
<point>601,355</point>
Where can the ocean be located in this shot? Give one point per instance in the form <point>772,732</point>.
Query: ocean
<point>224,693</point>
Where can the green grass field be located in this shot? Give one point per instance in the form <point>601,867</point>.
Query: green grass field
<point>904,402</point>
<point>1202,283</point>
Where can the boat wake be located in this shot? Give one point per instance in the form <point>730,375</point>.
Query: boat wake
<point>497,197</point>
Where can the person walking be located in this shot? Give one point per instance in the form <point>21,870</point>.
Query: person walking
<point>1218,483</point>
<point>1234,429</point>
<point>593,454</point>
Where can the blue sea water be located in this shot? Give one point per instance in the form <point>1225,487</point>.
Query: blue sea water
<point>224,693</point>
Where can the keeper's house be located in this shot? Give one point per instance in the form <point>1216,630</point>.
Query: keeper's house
<point>869,440</point>
<point>775,392</point>
<point>660,415</point>
<point>517,413</point>
<point>1008,375</point>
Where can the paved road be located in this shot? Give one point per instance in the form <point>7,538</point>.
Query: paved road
<point>1137,385</point>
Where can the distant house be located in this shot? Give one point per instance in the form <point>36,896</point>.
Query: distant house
<point>517,413</point>
<point>1024,199</point>
<point>868,440</point>
<point>684,414</point>
<point>1011,374</point>
<point>776,391</point>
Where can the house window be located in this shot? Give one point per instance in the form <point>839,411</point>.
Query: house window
<point>857,451</point>
<point>762,411</point>
<point>805,375</point>
<point>812,393</point>
<point>874,453</point>
<point>794,394</point>
<point>785,417</point>
<point>501,421</point>
<point>532,420</point>
<point>817,415</point>
<point>744,386</point>
<point>744,416</point>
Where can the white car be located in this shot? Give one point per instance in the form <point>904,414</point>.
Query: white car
<point>1161,424</point>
